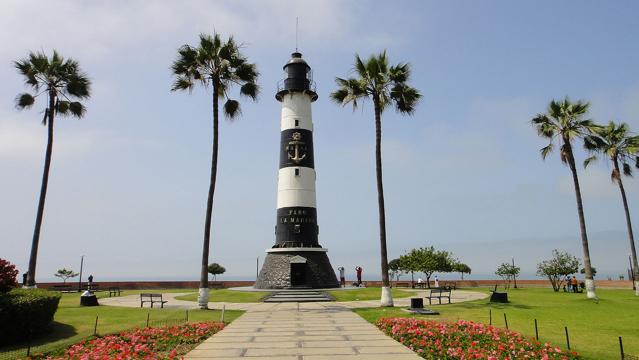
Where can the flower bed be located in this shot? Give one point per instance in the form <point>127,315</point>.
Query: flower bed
<point>467,340</point>
<point>166,342</point>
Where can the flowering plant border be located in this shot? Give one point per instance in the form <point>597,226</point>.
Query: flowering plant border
<point>467,340</point>
<point>166,342</point>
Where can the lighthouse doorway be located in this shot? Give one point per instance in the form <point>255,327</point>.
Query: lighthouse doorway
<point>298,274</point>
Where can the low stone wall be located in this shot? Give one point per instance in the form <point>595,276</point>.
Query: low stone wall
<point>129,285</point>
<point>523,283</point>
<point>227,284</point>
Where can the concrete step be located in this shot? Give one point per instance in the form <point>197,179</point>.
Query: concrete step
<point>298,296</point>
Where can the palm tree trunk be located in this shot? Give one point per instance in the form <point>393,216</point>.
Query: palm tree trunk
<point>633,250</point>
<point>386,299</point>
<point>590,283</point>
<point>204,274</point>
<point>43,193</point>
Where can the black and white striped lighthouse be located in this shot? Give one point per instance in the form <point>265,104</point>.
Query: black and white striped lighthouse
<point>297,259</point>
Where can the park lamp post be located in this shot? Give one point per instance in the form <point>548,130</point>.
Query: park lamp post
<point>80,280</point>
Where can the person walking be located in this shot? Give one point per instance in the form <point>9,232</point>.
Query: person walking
<point>575,284</point>
<point>359,270</point>
<point>436,281</point>
<point>342,276</point>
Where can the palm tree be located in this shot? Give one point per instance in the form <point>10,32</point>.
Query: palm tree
<point>63,83</point>
<point>615,142</point>
<point>385,85</point>
<point>220,65</point>
<point>564,121</point>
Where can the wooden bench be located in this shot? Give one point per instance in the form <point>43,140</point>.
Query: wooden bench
<point>438,294</point>
<point>63,288</point>
<point>114,291</point>
<point>152,298</point>
<point>450,285</point>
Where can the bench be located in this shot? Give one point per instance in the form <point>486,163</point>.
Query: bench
<point>450,285</point>
<point>152,298</point>
<point>402,284</point>
<point>438,294</point>
<point>63,288</point>
<point>114,291</point>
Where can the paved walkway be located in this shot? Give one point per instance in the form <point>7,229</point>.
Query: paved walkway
<point>317,331</point>
<point>282,331</point>
<point>134,301</point>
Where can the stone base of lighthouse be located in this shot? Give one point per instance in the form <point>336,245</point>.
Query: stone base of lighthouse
<point>286,268</point>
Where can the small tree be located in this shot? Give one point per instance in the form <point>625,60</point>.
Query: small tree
<point>216,269</point>
<point>462,269</point>
<point>508,273</point>
<point>8,274</point>
<point>558,268</point>
<point>65,274</point>
<point>429,261</point>
<point>395,269</point>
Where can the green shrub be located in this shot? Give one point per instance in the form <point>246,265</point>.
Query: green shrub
<point>24,312</point>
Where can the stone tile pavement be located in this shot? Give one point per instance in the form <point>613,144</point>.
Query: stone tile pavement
<point>316,331</point>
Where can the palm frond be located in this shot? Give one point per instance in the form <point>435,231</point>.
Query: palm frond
<point>77,109</point>
<point>182,83</point>
<point>627,169</point>
<point>546,150</point>
<point>589,160</point>
<point>62,107</point>
<point>232,108</point>
<point>360,68</point>
<point>246,72</point>
<point>405,98</point>
<point>250,90</point>
<point>24,101</point>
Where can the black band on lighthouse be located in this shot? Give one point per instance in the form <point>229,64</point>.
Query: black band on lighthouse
<point>297,148</point>
<point>296,227</point>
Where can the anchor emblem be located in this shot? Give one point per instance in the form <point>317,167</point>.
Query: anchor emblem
<point>294,145</point>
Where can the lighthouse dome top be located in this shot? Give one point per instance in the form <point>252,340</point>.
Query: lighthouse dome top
<point>296,58</point>
<point>299,78</point>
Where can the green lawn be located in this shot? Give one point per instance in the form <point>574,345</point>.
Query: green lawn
<point>73,323</point>
<point>594,327</point>
<point>371,293</point>
<point>225,295</point>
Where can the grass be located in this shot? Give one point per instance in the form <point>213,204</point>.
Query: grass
<point>72,323</point>
<point>369,293</point>
<point>225,295</point>
<point>594,327</point>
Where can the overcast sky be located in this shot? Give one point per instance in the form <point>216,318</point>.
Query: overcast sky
<point>129,182</point>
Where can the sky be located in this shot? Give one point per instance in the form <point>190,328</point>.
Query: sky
<point>128,183</point>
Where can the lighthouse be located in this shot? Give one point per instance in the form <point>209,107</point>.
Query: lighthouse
<point>297,260</point>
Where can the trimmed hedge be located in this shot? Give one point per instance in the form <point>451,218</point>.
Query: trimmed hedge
<point>25,311</point>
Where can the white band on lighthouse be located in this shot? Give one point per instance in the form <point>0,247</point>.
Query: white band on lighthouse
<point>296,187</point>
<point>296,112</point>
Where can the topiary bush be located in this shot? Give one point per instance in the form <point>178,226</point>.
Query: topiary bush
<point>26,312</point>
<point>8,274</point>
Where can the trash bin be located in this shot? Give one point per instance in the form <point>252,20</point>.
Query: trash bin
<point>499,297</point>
<point>416,303</point>
<point>88,299</point>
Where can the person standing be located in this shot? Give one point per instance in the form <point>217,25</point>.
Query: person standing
<point>436,281</point>
<point>342,276</point>
<point>575,284</point>
<point>359,270</point>
<point>90,285</point>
